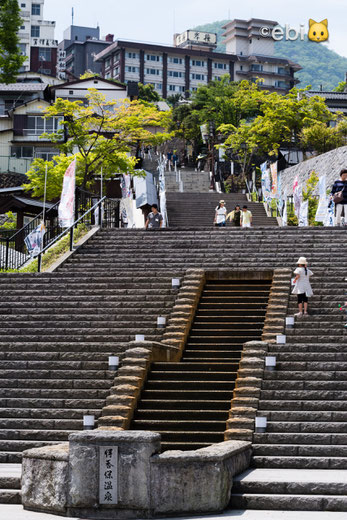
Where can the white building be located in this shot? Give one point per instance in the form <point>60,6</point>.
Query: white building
<point>37,40</point>
<point>192,60</point>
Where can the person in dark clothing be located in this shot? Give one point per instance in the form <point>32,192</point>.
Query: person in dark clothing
<point>235,216</point>
<point>340,186</point>
<point>154,218</point>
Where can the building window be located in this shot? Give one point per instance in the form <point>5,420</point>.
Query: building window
<point>181,89</point>
<point>159,86</point>
<point>22,152</point>
<point>35,31</point>
<point>22,48</point>
<point>153,72</point>
<point>116,71</point>
<point>152,57</point>
<point>133,69</point>
<point>197,63</point>
<point>23,5</point>
<point>172,88</point>
<point>37,125</point>
<point>177,61</point>
<point>36,9</point>
<point>132,55</point>
<point>199,77</point>
<point>257,68</point>
<point>46,155</point>
<point>22,27</point>
<point>175,74</point>
<point>45,54</point>
<point>281,70</point>
<point>107,63</point>
<point>220,66</point>
<point>241,67</point>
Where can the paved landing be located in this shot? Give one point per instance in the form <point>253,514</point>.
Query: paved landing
<point>17,513</point>
<point>293,475</point>
<point>10,470</point>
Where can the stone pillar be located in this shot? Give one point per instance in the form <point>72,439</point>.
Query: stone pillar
<point>126,469</point>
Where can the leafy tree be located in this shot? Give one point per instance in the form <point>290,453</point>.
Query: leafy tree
<point>341,87</point>
<point>308,194</point>
<point>10,56</point>
<point>100,135</point>
<point>148,93</point>
<point>321,138</point>
<point>89,74</point>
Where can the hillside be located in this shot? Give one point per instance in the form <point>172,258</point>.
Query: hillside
<point>321,66</point>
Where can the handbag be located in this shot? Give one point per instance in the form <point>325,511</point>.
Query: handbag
<point>338,197</point>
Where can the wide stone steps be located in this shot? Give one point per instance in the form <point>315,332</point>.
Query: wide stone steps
<point>298,462</point>
<point>28,413</point>
<point>300,450</point>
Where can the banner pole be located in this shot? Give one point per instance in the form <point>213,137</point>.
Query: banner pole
<point>45,195</point>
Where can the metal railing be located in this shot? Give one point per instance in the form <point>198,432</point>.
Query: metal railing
<point>13,252</point>
<point>98,214</point>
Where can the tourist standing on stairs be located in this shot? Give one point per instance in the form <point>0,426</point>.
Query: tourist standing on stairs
<point>235,216</point>
<point>246,217</point>
<point>302,286</point>
<point>221,213</point>
<point>339,190</point>
<point>154,219</point>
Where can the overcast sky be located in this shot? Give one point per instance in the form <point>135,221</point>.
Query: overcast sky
<point>156,20</point>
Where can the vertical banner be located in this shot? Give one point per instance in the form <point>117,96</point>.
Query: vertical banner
<point>303,219</point>
<point>34,241</point>
<point>330,215</point>
<point>322,210</point>
<point>297,195</point>
<point>285,211</point>
<point>274,185</point>
<point>265,182</point>
<point>66,210</point>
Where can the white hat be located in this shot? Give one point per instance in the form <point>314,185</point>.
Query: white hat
<point>222,202</point>
<point>302,260</point>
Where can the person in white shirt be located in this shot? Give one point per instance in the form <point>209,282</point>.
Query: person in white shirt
<point>246,217</point>
<point>221,213</point>
<point>302,286</point>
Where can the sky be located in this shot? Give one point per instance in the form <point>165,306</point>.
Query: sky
<point>157,20</point>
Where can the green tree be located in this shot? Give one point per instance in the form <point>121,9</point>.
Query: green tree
<point>308,193</point>
<point>148,93</point>
<point>11,58</point>
<point>103,134</point>
<point>341,87</point>
<point>321,138</point>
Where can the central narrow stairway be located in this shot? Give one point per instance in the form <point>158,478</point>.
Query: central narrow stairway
<point>188,402</point>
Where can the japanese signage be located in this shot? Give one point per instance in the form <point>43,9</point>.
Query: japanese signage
<point>197,37</point>
<point>43,42</point>
<point>108,475</point>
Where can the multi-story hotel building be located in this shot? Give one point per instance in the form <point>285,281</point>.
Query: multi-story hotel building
<point>37,40</point>
<point>192,61</point>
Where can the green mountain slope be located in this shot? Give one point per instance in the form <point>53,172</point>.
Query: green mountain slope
<point>321,66</point>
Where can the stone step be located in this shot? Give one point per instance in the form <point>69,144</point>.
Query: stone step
<point>289,503</point>
<point>301,450</point>
<point>10,496</point>
<point>28,413</point>
<point>289,462</point>
<point>300,438</point>
<point>298,405</point>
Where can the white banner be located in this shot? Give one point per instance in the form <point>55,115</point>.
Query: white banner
<point>297,196</point>
<point>330,215</point>
<point>303,219</point>
<point>322,210</point>
<point>285,212</point>
<point>322,186</point>
<point>66,211</point>
<point>34,241</point>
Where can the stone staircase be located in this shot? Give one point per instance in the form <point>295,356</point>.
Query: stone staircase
<point>57,330</point>
<point>197,210</point>
<point>304,400</point>
<point>192,181</point>
<point>188,402</point>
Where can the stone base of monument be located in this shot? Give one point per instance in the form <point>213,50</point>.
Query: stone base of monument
<point>122,474</point>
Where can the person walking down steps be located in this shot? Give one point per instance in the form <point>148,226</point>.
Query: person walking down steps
<point>302,286</point>
<point>235,216</point>
<point>339,195</point>
<point>221,213</point>
<point>246,217</point>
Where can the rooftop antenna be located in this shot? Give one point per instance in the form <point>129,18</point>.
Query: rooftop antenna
<point>72,15</point>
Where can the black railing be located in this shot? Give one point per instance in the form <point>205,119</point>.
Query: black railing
<point>13,252</point>
<point>96,211</point>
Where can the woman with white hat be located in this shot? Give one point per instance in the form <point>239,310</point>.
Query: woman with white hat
<point>302,286</point>
<point>221,213</point>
